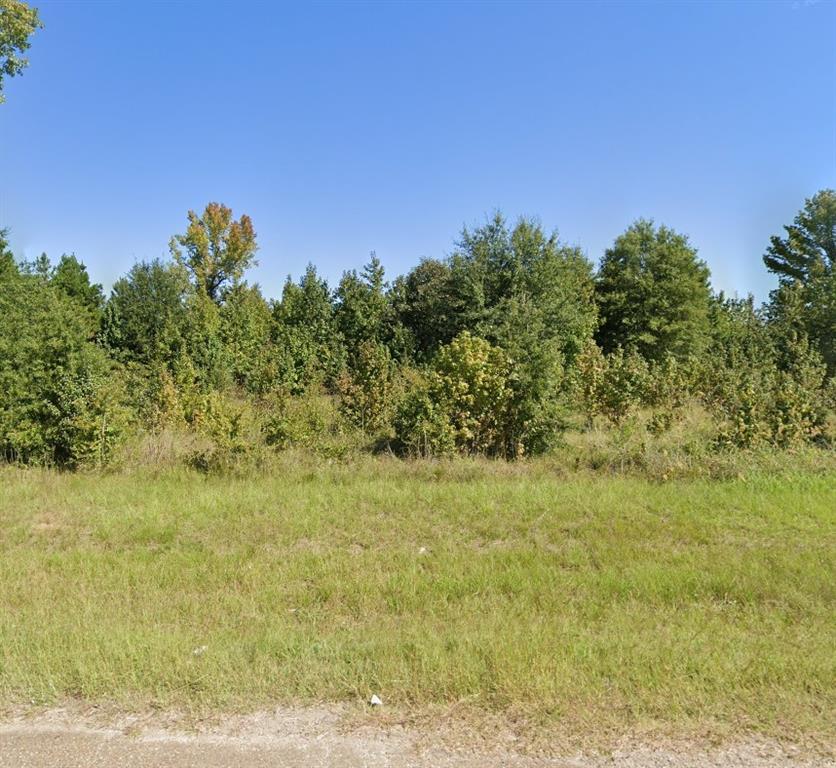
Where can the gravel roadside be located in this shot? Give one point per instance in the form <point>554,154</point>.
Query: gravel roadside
<point>73,738</point>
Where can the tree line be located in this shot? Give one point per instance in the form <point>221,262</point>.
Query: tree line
<point>497,349</point>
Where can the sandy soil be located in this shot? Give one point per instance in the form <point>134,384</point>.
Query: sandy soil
<point>89,737</point>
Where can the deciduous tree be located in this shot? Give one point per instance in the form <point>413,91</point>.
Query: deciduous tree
<point>653,294</point>
<point>17,23</point>
<point>216,250</point>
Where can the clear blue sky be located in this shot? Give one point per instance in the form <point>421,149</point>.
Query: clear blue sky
<point>343,128</point>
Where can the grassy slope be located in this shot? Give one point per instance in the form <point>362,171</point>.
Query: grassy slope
<point>578,601</point>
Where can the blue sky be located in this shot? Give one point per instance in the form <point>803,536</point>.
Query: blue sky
<point>343,128</point>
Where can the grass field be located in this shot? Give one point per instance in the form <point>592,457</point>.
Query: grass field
<point>576,601</point>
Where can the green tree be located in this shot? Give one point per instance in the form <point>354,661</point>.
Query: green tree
<point>611,385</point>
<point>493,275</point>
<point>366,387</point>
<point>305,333</point>
<point>203,344</point>
<point>216,250</point>
<point>245,330</point>
<point>738,336</point>
<point>362,309</point>
<point>18,22</point>
<point>145,317</point>
<point>555,283</point>
<point>70,277</point>
<point>59,395</point>
<point>425,305</point>
<point>809,247</point>
<point>464,405</point>
<point>781,402</point>
<point>803,260</point>
<point>536,408</point>
<point>8,266</point>
<point>653,294</point>
<point>40,267</point>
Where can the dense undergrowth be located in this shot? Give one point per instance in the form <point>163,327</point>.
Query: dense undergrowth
<point>511,347</point>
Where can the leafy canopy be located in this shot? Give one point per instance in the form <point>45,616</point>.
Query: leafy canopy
<point>653,294</point>
<point>216,250</point>
<point>809,248</point>
<point>17,24</point>
<point>804,262</point>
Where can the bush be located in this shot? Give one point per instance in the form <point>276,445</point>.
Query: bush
<point>666,392</point>
<point>764,405</point>
<point>422,426</point>
<point>312,421</point>
<point>465,404</point>
<point>60,397</point>
<point>612,386</point>
<point>366,388</point>
<point>233,435</point>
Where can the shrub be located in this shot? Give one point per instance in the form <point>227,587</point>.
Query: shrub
<point>666,393</point>
<point>762,404</point>
<point>422,426</point>
<point>232,432</point>
<point>60,397</point>
<point>465,404</point>
<point>366,387</point>
<point>612,386</point>
<point>312,421</point>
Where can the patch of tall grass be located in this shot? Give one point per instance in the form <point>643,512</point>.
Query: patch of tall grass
<point>566,598</point>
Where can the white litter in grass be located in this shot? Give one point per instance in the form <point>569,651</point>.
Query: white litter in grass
<point>375,701</point>
<point>200,650</point>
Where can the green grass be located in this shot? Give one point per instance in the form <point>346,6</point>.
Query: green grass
<point>578,601</point>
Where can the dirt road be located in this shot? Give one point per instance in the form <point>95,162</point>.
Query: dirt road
<point>71,738</point>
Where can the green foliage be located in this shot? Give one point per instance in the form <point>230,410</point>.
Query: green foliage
<point>466,402</point>
<point>738,337</point>
<point>216,250</point>
<point>71,278</point>
<point>163,404</point>
<point>146,316</point>
<point>556,286</point>
<point>425,303</point>
<point>537,404</point>
<point>760,377</point>
<point>494,274</point>
<point>763,404</point>
<point>653,294</point>
<point>809,248</point>
<point>203,344</point>
<point>422,425</point>
<point>667,390</point>
<point>18,21</point>
<point>796,308</point>
<point>312,421</point>
<point>804,262</point>
<point>245,331</point>
<point>612,386</point>
<point>820,324</point>
<point>94,418</point>
<point>484,352</point>
<point>309,347</point>
<point>231,430</point>
<point>362,311</point>
<point>60,402</point>
<point>471,378</point>
<point>366,387</point>
<point>8,267</point>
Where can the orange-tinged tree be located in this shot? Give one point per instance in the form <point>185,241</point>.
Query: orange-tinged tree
<point>216,250</point>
